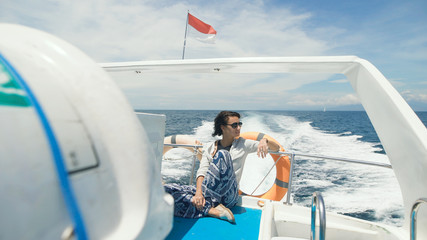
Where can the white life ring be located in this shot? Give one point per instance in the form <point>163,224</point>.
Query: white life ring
<point>182,140</point>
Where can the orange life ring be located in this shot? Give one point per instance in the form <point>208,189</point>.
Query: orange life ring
<point>182,140</point>
<point>280,186</point>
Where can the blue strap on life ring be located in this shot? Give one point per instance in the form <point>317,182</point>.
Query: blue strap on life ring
<point>64,181</point>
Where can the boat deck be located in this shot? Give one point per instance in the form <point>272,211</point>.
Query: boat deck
<point>246,227</point>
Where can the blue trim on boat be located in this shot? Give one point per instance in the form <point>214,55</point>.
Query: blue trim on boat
<point>246,227</point>
<point>61,170</point>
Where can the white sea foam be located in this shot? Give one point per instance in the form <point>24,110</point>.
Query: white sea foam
<point>346,187</point>
<point>177,163</point>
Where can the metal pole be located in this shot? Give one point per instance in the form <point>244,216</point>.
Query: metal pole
<point>345,160</point>
<point>291,170</point>
<point>185,36</point>
<point>413,233</point>
<point>317,202</point>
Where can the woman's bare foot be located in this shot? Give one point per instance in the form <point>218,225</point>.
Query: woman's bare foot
<point>222,212</point>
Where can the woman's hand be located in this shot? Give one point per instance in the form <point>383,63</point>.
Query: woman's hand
<point>198,201</point>
<point>262,148</point>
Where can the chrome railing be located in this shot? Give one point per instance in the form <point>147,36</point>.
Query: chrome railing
<point>195,151</point>
<point>292,159</point>
<point>317,203</point>
<point>414,211</point>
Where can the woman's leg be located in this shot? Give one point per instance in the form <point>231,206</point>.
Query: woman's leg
<point>182,195</point>
<point>220,183</point>
<point>219,186</point>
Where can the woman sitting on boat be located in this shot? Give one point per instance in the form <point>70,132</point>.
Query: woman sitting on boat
<point>220,171</point>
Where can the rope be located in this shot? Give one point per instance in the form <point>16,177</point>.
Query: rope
<point>265,176</point>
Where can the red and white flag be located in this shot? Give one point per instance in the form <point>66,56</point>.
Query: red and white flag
<point>206,33</point>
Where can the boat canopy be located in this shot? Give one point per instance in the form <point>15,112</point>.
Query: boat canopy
<point>402,134</point>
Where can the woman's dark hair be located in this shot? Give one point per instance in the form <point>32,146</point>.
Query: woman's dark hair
<point>221,119</point>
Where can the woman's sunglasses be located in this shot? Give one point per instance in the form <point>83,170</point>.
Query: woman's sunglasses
<point>234,125</point>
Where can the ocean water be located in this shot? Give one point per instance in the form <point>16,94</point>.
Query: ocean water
<point>361,191</point>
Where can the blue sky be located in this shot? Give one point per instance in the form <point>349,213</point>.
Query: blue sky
<point>390,34</point>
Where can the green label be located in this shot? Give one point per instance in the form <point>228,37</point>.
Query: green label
<point>11,93</point>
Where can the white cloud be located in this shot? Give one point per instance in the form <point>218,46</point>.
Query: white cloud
<point>397,82</point>
<point>131,30</point>
<point>136,30</point>
<point>344,80</point>
<point>323,100</point>
<point>412,96</point>
<point>253,91</point>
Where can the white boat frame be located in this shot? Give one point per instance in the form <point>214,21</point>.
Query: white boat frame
<point>402,134</point>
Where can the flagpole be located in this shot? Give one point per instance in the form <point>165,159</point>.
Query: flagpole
<point>185,36</point>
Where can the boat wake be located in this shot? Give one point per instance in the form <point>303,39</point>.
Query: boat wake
<point>366,192</point>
